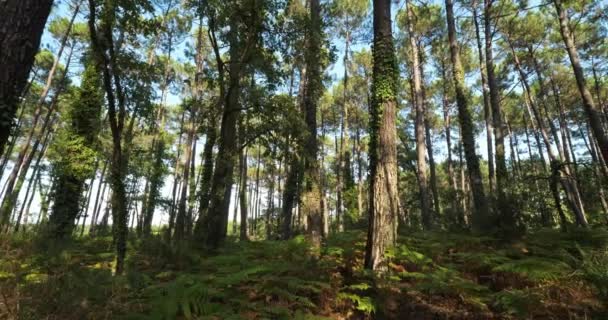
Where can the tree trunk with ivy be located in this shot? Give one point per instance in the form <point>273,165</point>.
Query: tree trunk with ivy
<point>480,217</point>
<point>77,156</point>
<point>311,184</point>
<point>383,193</point>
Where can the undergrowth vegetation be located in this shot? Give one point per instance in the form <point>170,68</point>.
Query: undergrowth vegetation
<point>546,275</point>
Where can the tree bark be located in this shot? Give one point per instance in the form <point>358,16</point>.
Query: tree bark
<point>26,215</point>
<point>21,29</point>
<point>181,219</point>
<point>506,216</point>
<point>177,179</point>
<point>383,193</point>
<point>221,184</point>
<point>243,236</point>
<point>420,115</point>
<point>84,211</point>
<point>290,192</point>
<point>256,193</point>
<point>17,132</point>
<point>211,136</point>
<point>207,174</point>
<point>344,174</point>
<point>429,141</point>
<point>270,199</point>
<point>487,112</point>
<point>480,219</point>
<point>447,122</point>
<point>311,184</point>
<point>100,192</point>
<point>116,117</point>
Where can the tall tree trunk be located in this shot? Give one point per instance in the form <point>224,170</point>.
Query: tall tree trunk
<point>546,217</point>
<point>26,215</point>
<point>237,194</point>
<point>97,205</point>
<point>154,181</point>
<point>84,211</point>
<point>359,157</point>
<point>97,222</point>
<point>447,122</point>
<point>44,202</point>
<point>15,179</point>
<point>598,92</point>
<point>383,193</point>
<point>419,106</point>
<point>432,165</point>
<point>595,156</point>
<point>207,174</point>
<point>323,180</point>
<point>290,192</point>
<point>17,131</point>
<point>513,154</point>
<point>293,181</point>
<point>211,136</point>
<point>270,199</point>
<point>506,216</point>
<point>49,80</point>
<point>570,188</point>
<point>221,183</point>
<point>429,141</point>
<point>256,192</point>
<point>280,196</point>
<point>116,116</point>
<point>487,112</point>
<point>177,178</point>
<point>243,196</point>
<point>464,200</point>
<point>344,175</point>
<point>33,178</point>
<point>180,221</point>
<point>480,219</point>
<point>593,112</point>
<point>311,184</point>
<point>21,28</point>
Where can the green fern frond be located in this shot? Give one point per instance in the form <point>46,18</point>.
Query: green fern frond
<point>535,268</point>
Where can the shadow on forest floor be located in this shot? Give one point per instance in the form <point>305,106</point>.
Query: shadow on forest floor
<point>546,275</point>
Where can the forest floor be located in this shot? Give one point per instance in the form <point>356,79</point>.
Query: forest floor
<point>546,275</point>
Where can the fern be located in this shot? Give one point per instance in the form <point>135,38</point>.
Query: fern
<point>519,303</point>
<point>535,268</point>
<point>478,260</point>
<point>242,275</point>
<point>363,304</point>
<point>595,271</point>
